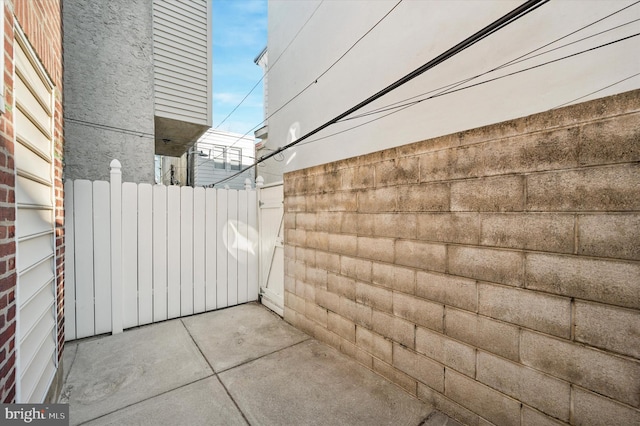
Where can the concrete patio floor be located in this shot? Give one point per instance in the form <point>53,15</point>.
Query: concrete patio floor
<point>241,365</point>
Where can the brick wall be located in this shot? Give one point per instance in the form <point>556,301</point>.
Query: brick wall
<point>494,273</point>
<point>40,20</point>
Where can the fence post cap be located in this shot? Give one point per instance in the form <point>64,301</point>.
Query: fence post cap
<point>247,183</point>
<point>115,164</point>
<point>259,181</point>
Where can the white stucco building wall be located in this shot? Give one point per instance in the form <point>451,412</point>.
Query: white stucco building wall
<point>411,35</point>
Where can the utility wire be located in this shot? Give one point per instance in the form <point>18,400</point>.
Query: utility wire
<point>511,62</point>
<point>410,104</point>
<point>497,25</point>
<point>274,62</point>
<point>457,89</point>
<point>321,74</point>
<point>514,61</point>
<point>596,91</point>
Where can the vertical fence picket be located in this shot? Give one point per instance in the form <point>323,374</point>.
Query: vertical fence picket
<point>116,246</point>
<point>69,265</point>
<point>102,256</point>
<point>252,261</point>
<point>232,248</point>
<point>186,250</point>
<point>173,252</point>
<point>222,253</point>
<point>159,253</point>
<point>83,204</point>
<point>145,252</point>
<point>242,243</point>
<point>198,250</point>
<point>130,254</point>
<point>211,245</point>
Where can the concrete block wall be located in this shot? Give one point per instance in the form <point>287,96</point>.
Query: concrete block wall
<point>494,273</point>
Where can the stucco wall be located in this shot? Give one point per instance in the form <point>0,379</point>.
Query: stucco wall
<point>411,35</point>
<point>494,273</point>
<point>108,89</point>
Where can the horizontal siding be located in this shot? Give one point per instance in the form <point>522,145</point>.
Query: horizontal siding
<point>189,11</point>
<point>205,175</point>
<point>35,226</point>
<point>182,60</point>
<point>204,171</point>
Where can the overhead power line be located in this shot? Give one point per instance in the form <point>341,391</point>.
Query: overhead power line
<point>394,110</point>
<point>458,89</point>
<point>497,25</point>
<point>519,59</point>
<point>315,80</point>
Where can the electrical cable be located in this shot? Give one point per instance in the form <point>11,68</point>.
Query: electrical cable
<point>315,81</point>
<point>517,13</point>
<point>497,78</point>
<point>596,91</point>
<point>514,61</point>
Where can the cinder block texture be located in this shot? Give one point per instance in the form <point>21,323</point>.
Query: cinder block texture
<point>610,375</point>
<point>495,406</point>
<point>590,408</point>
<point>539,311</point>
<point>494,273</point>
<point>546,393</point>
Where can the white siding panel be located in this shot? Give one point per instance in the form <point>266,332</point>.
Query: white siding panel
<point>181,37</point>
<point>32,193</point>
<point>34,250</point>
<point>31,105</point>
<point>37,221</point>
<point>40,370</point>
<point>34,311</point>
<point>33,340</point>
<point>180,55</point>
<point>35,278</point>
<point>28,73</point>
<point>183,12</point>
<point>29,160</point>
<point>28,134</point>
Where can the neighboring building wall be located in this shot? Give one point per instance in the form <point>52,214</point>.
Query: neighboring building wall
<point>206,155</point>
<point>41,23</point>
<point>271,169</point>
<point>494,273</point>
<point>411,35</point>
<point>109,89</point>
<point>182,57</point>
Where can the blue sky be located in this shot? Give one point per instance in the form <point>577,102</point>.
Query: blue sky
<point>239,35</point>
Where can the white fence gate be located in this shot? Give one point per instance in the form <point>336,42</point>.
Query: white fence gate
<point>137,254</point>
<point>271,214</point>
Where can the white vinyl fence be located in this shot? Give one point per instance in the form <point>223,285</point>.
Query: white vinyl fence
<point>137,253</point>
